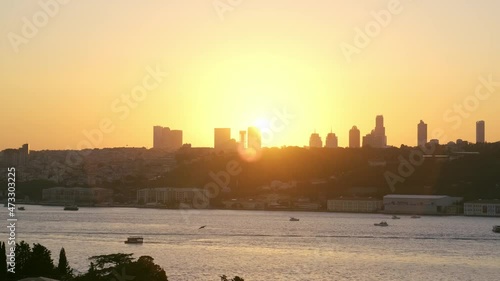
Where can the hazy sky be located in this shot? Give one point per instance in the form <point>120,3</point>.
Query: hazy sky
<point>239,65</point>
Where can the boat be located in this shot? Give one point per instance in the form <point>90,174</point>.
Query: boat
<point>294,219</point>
<point>134,240</point>
<point>496,228</point>
<point>382,223</point>
<point>21,209</point>
<point>395,218</point>
<point>415,217</point>
<point>71,208</point>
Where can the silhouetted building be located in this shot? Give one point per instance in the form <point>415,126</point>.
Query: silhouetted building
<point>254,138</point>
<point>480,132</point>
<point>331,141</point>
<point>243,137</point>
<point>16,157</point>
<point>315,141</point>
<point>377,137</point>
<point>421,133</point>
<point>222,136</point>
<point>164,138</point>
<point>354,137</point>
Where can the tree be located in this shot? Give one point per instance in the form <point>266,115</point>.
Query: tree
<point>144,269</point>
<point>3,262</point>
<point>40,262</point>
<point>103,266</point>
<point>23,254</point>
<point>64,271</point>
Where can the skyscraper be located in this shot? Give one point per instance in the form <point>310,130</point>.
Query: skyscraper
<point>175,141</point>
<point>315,141</point>
<point>421,133</point>
<point>377,137</point>
<point>254,138</point>
<point>480,132</point>
<point>243,138</point>
<point>222,136</point>
<point>354,137</point>
<point>164,138</point>
<point>331,140</point>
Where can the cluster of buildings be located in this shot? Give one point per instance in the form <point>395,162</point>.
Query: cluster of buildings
<point>247,139</point>
<point>166,139</point>
<point>80,195</point>
<point>378,139</point>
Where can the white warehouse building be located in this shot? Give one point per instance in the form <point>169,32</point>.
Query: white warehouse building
<point>487,208</point>
<point>422,204</point>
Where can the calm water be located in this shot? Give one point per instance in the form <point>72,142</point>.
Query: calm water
<point>259,245</point>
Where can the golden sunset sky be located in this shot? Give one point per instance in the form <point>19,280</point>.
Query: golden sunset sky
<point>237,63</point>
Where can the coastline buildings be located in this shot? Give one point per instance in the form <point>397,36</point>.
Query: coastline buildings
<point>77,194</point>
<point>243,138</point>
<point>421,133</point>
<point>354,205</point>
<point>168,195</point>
<point>166,139</point>
<point>377,137</point>
<point>486,208</point>
<point>422,204</point>
<point>354,137</point>
<point>480,132</point>
<point>331,141</point>
<point>315,141</point>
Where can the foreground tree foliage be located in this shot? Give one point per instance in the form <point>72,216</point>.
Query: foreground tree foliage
<point>37,262</point>
<point>123,267</point>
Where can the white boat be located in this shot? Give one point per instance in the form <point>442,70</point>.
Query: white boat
<point>496,228</point>
<point>382,223</point>
<point>294,219</point>
<point>415,217</point>
<point>395,218</point>
<point>134,240</point>
<point>71,208</point>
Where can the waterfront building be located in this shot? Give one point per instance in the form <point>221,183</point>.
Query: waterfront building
<point>77,194</point>
<point>486,208</point>
<point>354,205</point>
<point>422,204</point>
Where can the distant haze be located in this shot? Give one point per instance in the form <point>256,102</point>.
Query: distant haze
<point>238,69</point>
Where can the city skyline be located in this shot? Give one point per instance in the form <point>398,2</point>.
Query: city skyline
<point>207,73</point>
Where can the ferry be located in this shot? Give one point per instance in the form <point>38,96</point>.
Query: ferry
<point>71,208</point>
<point>134,240</point>
<point>496,228</point>
<point>382,223</point>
